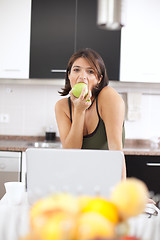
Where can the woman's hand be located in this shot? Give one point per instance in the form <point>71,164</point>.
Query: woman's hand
<point>83,102</point>
<point>151,201</point>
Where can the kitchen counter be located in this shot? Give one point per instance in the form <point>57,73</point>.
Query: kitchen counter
<point>140,147</point>
<point>21,143</point>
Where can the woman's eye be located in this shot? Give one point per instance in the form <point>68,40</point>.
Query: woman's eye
<point>91,71</point>
<point>76,70</point>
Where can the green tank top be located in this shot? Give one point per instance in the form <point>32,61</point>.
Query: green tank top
<point>98,138</point>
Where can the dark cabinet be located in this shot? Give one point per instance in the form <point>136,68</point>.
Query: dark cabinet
<point>52,37</point>
<point>58,28</point>
<point>106,43</point>
<point>146,168</point>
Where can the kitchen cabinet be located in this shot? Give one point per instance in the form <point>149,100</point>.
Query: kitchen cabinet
<point>146,168</point>
<point>52,37</point>
<point>59,28</point>
<point>105,42</point>
<point>140,40</point>
<point>15,38</point>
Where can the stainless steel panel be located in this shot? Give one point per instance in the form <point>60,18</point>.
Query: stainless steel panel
<point>10,154</point>
<point>9,164</point>
<point>10,168</point>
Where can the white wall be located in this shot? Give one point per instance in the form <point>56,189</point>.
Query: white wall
<point>31,111</point>
<point>148,125</point>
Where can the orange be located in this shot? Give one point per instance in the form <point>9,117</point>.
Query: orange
<point>103,207</point>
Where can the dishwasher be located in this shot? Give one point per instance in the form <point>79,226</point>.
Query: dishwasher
<point>10,168</point>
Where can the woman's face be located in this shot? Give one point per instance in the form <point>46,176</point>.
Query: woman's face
<point>82,71</point>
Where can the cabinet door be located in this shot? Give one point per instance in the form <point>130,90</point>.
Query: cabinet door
<point>140,40</point>
<point>146,168</point>
<point>52,37</point>
<point>105,42</point>
<point>14,38</point>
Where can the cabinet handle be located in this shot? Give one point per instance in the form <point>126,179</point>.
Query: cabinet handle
<point>12,70</point>
<point>58,70</point>
<point>153,164</point>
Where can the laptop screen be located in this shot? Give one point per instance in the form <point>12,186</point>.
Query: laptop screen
<point>72,170</point>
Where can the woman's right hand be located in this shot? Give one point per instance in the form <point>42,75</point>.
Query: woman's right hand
<point>81,103</point>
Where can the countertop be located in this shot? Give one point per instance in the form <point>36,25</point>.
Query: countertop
<point>21,143</point>
<point>141,147</point>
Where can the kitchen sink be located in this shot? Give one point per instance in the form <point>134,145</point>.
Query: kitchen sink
<point>45,144</point>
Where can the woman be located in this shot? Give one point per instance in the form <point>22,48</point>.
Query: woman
<point>94,121</point>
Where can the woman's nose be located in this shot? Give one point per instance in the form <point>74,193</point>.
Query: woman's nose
<point>83,75</point>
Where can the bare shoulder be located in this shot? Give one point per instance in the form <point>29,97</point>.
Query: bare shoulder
<point>60,102</point>
<point>61,105</point>
<point>110,96</point>
<point>110,102</point>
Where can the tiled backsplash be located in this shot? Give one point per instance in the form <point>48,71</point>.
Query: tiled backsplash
<point>30,108</point>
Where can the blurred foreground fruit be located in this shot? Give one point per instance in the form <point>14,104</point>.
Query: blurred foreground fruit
<point>103,207</point>
<point>65,216</point>
<point>129,238</point>
<point>60,226</point>
<point>44,209</point>
<point>130,196</point>
<point>93,225</point>
<point>77,89</point>
<point>83,201</point>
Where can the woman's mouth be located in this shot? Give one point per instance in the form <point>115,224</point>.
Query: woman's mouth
<point>80,81</point>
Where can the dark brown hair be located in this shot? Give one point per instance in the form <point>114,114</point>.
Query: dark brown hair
<point>96,61</point>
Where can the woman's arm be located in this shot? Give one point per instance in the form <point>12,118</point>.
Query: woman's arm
<point>112,111</point>
<point>71,134</point>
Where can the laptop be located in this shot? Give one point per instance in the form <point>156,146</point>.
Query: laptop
<point>75,171</point>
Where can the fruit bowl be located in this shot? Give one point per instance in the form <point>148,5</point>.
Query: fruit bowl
<point>62,216</point>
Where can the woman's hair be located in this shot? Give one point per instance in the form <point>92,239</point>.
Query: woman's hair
<point>96,62</point>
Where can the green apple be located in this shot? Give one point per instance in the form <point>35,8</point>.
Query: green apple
<point>77,89</point>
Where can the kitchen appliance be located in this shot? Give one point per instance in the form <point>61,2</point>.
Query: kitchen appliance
<point>109,14</point>
<point>50,134</point>
<point>73,170</point>
<point>10,168</point>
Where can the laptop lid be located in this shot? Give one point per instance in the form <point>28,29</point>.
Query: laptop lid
<point>75,171</point>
